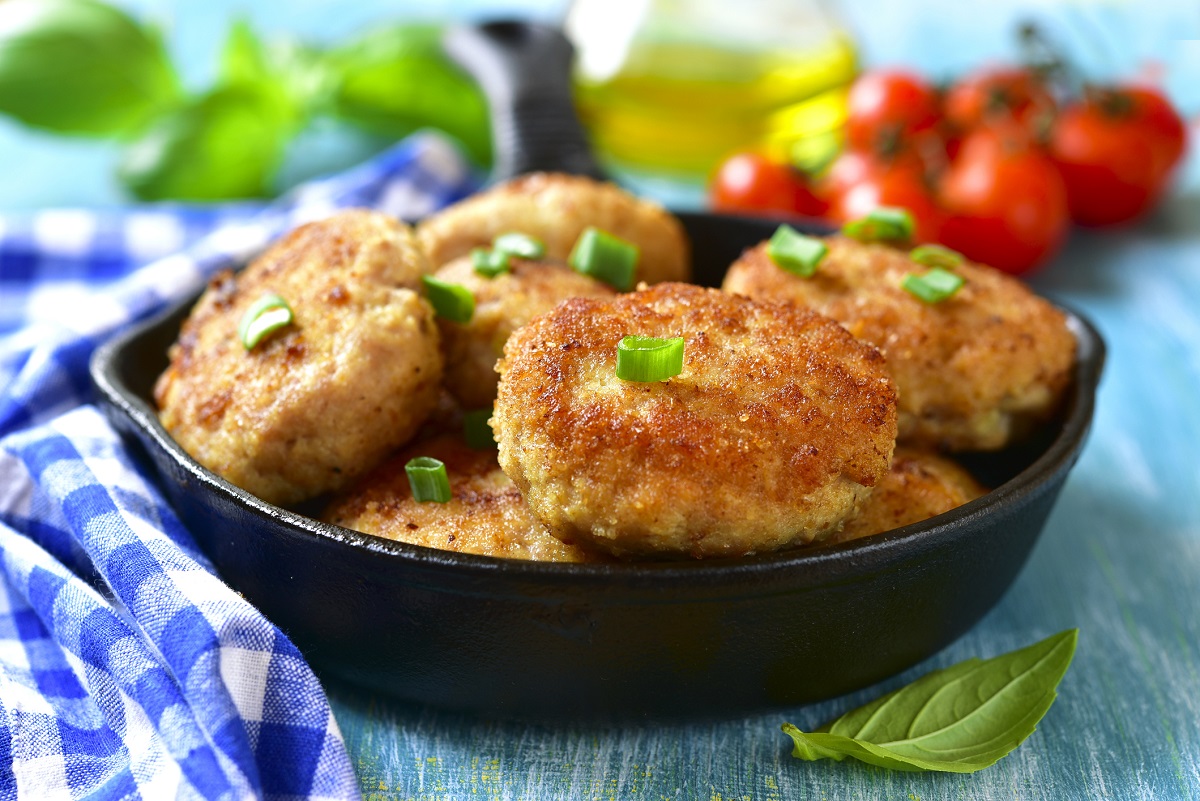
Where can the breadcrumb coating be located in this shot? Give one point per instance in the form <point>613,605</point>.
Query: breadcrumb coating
<point>556,208</point>
<point>974,372</point>
<point>485,515</point>
<point>771,436</point>
<point>326,398</point>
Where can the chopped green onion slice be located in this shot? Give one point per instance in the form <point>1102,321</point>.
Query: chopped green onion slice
<point>520,245</point>
<point>605,257</point>
<point>934,286</point>
<point>884,224</point>
<point>936,256</point>
<point>476,430</point>
<point>489,262</point>
<point>649,358</point>
<point>795,252</point>
<point>453,302</point>
<point>268,314</point>
<point>427,477</point>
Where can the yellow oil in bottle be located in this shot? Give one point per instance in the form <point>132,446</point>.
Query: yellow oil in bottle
<point>679,106</point>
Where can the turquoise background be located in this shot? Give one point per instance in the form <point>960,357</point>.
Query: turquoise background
<point>1119,559</point>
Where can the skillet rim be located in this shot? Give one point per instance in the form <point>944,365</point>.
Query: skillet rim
<point>804,566</point>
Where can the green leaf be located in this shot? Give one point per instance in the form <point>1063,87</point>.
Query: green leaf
<point>297,72</point>
<point>224,144</point>
<point>243,59</point>
<point>229,142</point>
<point>397,79</point>
<point>304,74</point>
<point>81,67</point>
<point>959,720</point>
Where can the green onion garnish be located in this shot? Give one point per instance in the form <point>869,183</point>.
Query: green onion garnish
<point>489,262</point>
<point>268,314</point>
<point>884,224</point>
<point>477,432</point>
<point>522,246</point>
<point>649,358</point>
<point>934,286</point>
<point>453,302</point>
<point>605,257</point>
<point>936,256</point>
<point>427,477</point>
<point>795,252</point>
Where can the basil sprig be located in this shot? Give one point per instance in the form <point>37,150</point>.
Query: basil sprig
<point>225,142</point>
<point>958,720</point>
<point>396,79</point>
<point>86,67</point>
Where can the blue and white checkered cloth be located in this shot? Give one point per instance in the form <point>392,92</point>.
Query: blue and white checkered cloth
<point>127,668</point>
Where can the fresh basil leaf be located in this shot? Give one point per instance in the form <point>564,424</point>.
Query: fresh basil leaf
<point>229,142</point>
<point>81,67</point>
<point>224,144</point>
<point>244,58</point>
<point>398,79</point>
<point>296,71</point>
<point>304,75</point>
<point>959,720</point>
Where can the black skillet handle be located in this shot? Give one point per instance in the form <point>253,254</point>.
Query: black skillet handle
<point>525,72</point>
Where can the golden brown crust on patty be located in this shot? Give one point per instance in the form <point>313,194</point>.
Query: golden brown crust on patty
<point>973,372</point>
<point>502,305</point>
<point>556,208</point>
<point>771,436</point>
<point>919,485</point>
<point>486,514</point>
<point>326,398</point>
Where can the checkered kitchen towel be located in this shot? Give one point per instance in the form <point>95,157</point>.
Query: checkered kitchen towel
<point>127,669</point>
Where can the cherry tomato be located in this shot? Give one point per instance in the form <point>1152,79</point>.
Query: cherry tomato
<point>935,149</point>
<point>1161,118</point>
<point>852,167</point>
<point>997,93</point>
<point>752,183</point>
<point>1006,201</point>
<point>886,106</point>
<point>1116,150</point>
<point>896,184</point>
<point>848,169</point>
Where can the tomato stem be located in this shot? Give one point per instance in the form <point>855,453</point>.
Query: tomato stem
<point>1047,60</point>
<point>1111,102</point>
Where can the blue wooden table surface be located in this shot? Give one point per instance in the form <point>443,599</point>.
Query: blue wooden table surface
<point>1119,559</point>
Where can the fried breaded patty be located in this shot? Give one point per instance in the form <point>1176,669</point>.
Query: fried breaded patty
<point>771,435</point>
<point>919,485</point>
<point>502,305</point>
<point>556,208</point>
<point>486,514</point>
<point>326,398</point>
<point>974,371</point>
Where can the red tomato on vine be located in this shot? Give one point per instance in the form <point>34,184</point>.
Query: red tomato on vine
<point>1006,201</point>
<point>1116,150</point>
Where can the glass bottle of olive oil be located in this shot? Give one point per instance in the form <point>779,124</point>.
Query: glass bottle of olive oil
<point>670,87</point>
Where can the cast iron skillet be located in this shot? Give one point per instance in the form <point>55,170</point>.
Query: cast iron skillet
<point>692,638</point>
